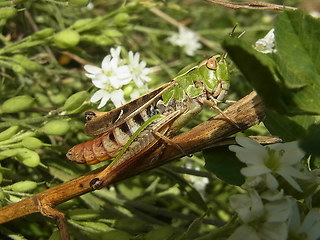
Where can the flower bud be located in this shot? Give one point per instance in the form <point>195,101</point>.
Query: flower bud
<point>111,32</point>
<point>121,19</point>
<point>81,23</point>
<point>17,104</point>
<point>58,98</point>
<point>75,100</point>
<point>23,186</point>
<point>32,143</point>
<point>9,153</point>
<point>66,39</point>
<point>43,33</point>
<point>7,12</point>
<point>18,69</point>
<point>78,3</point>
<point>88,38</point>
<point>56,127</point>
<point>27,64</point>
<point>103,41</point>
<point>43,100</point>
<point>9,132</point>
<point>28,157</point>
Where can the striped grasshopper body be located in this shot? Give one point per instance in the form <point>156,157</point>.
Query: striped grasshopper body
<point>177,101</point>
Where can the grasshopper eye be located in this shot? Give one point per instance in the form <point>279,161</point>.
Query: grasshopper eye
<point>212,63</point>
<point>89,115</point>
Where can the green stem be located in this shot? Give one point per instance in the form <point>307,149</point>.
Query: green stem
<point>12,122</point>
<point>65,4</point>
<point>151,30</point>
<point>14,145</point>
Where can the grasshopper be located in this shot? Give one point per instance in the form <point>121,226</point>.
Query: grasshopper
<point>177,101</point>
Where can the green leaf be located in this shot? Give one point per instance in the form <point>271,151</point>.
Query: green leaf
<point>193,229</point>
<point>83,214</point>
<point>116,234</point>
<point>311,143</point>
<point>160,233</point>
<point>297,37</point>
<point>224,164</point>
<point>288,128</point>
<point>288,81</point>
<point>91,227</point>
<point>261,71</point>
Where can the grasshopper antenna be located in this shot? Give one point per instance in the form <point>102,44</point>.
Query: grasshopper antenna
<point>234,29</point>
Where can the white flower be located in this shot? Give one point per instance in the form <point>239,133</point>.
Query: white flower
<point>266,44</point>
<point>115,53</point>
<point>266,231</point>
<point>90,6</point>
<point>109,75</point>
<point>266,162</point>
<point>113,75</point>
<point>248,206</point>
<point>315,14</point>
<point>186,39</point>
<point>116,97</point>
<point>310,226</point>
<point>134,95</point>
<point>261,221</point>
<point>138,70</point>
<point>109,78</point>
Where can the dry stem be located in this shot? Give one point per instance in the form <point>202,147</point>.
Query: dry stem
<point>255,5</point>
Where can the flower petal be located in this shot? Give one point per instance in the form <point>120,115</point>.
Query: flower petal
<point>92,69</point>
<point>103,102</point>
<point>272,195</point>
<point>292,182</point>
<point>292,153</point>
<point>98,95</point>
<point>273,231</point>
<point>117,97</point>
<point>115,52</point>
<point>249,144</point>
<point>277,211</point>
<point>105,65</point>
<point>244,232</point>
<point>271,181</point>
<point>254,170</point>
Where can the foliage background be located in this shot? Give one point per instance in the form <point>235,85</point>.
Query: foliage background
<point>178,201</point>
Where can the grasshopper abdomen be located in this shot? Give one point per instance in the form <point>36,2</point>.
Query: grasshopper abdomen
<point>110,143</point>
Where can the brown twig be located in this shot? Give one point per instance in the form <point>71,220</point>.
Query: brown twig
<point>247,112</point>
<point>254,5</point>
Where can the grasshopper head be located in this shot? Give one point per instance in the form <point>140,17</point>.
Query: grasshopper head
<point>212,63</point>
